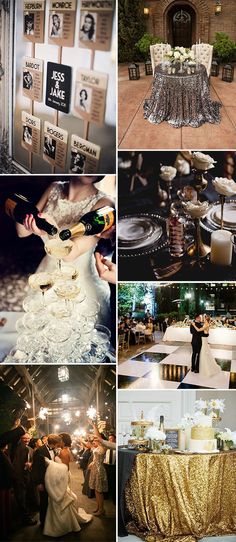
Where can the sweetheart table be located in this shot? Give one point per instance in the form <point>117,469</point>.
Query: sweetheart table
<point>181,99</point>
<point>219,335</point>
<point>177,497</point>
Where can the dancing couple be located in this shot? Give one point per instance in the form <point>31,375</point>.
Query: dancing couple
<point>203,361</point>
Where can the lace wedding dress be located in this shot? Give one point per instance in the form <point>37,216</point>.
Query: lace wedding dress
<point>207,364</point>
<point>63,514</point>
<point>65,214</point>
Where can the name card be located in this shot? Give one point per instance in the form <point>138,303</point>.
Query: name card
<point>173,438</point>
<point>96,24</point>
<point>32,82</point>
<point>55,145</point>
<point>58,90</point>
<point>33,20</point>
<point>62,17</point>
<point>30,133</point>
<point>90,95</point>
<point>84,156</point>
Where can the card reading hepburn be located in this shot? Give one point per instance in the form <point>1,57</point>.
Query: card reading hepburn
<point>33,17</point>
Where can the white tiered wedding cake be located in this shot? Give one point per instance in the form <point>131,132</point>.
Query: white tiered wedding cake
<point>203,435</point>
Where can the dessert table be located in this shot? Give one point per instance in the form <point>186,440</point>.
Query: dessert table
<point>177,497</point>
<point>219,335</point>
<point>181,99</point>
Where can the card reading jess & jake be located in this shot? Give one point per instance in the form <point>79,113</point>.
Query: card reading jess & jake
<point>55,145</point>
<point>30,133</point>
<point>90,95</point>
<point>33,20</point>
<point>58,89</point>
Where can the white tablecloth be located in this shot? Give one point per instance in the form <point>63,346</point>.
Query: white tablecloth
<point>8,334</point>
<point>219,335</point>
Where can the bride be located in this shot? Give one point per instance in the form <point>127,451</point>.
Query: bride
<point>207,364</point>
<point>63,515</point>
<point>63,204</point>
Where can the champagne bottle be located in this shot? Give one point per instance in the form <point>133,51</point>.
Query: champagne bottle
<point>91,223</point>
<point>161,424</point>
<point>17,207</point>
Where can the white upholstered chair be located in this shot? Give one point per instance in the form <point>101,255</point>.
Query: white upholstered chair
<point>203,52</point>
<point>157,52</point>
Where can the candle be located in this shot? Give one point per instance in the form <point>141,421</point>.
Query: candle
<point>221,247</point>
<point>187,436</point>
<point>182,439</point>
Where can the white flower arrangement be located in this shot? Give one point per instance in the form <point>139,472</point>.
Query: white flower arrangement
<point>226,436</point>
<point>216,404</point>
<point>168,173</point>
<point>202,161</point>
<point>186,421</point>
<point>180,54</point>
<point>197,209</point>
<point>154,433</point>
<point>200,404</point>
<point>224,186</point>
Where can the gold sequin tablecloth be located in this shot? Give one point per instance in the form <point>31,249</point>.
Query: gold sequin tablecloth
<point>181,498</point>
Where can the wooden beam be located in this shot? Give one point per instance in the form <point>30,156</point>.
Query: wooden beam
<point>22,371</point>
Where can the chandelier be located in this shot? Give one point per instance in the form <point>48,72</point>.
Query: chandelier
<point>63,373</point>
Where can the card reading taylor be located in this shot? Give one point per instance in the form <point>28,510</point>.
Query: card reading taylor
<point>30,133</point>
<point>84,156</point>
<point>58,90</point>
<point>90,95</point>
<point>62,17</point>
<point>96,24</point>
<point>34,13</point>
<point>55,145</point>
<point>33,79</point>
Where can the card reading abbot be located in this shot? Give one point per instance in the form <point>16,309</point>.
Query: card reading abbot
<point>58,91</point>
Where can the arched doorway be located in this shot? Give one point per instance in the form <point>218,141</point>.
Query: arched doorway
<point>181,25</point>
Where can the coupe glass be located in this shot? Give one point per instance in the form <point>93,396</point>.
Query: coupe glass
<point>67,272</point>
<point>58,249</point>
<point>33,303</point>
<point>100,343</point>
<point>90,309</point>
<point>41,282</point>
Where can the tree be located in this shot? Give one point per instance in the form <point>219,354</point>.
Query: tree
<point>131,28</point>
<point>127,294</point>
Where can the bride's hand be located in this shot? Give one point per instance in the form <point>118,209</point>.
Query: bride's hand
<point>30,223</point>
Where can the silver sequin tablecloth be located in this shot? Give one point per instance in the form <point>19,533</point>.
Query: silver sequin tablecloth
<point>181,99</point>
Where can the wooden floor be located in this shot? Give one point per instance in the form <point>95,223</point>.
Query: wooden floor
<point>98,530</point>
<point>135,132</point>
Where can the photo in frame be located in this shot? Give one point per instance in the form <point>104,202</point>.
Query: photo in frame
<point>84,156</point>
<point>173,437</point>
<point>62,17</point>
<point>58,90</point>
<point>31,132</point>
<point>96,24</point>
<point>55,145</point>
<point>34,20</point>
<point>32,80</point>
<point>90,95</point>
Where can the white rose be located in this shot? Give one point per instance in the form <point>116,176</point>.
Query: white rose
<point>176,55</point>
<point>224,186</point>
<point>197,209</point>
<point>203,161</point>
<point>168,173</point>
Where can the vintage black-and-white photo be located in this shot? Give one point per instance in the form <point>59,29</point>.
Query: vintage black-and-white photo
<point>27,134</point>
<point>29,24</point>
<point>78,162</point>
<point>56,25</point>
<point>27,80</point>
<point>88,27</point>
<point>83,98</point>
<point>50,147</point>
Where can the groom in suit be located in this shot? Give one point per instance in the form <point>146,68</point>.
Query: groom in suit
<point>39,469</point>
<point>196,343</point>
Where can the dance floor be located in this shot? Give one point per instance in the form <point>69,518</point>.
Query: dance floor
<point>168,367</point>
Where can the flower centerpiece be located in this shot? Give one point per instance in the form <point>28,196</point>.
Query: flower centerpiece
<point>227,439</point>
<point>181,55</point>
<point>216,406</point>
<point>203,162</point>
<point>156,437</point>
<point>225,188</point>
<point>201,405</point>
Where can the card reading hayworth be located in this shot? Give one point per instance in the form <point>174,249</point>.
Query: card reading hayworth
<point>58,90</point>
<point>55,145</point>
<point>30,133</point>
<point>84,156</point>
<point>90,95</point>
<point>32,82</point>
<point>34,13</point>
<point>62,17</point>
<point>96,24</point>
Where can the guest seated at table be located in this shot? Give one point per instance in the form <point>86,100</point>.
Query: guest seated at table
<point>149,328</point>
<point>140,326</point>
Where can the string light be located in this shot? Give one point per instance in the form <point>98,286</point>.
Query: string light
<point>63,373</point>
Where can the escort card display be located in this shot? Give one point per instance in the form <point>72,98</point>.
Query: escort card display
<point>33,20</point>
<point>96,24</point>
<point>84,156</point>
<point>90,95</point>
<point>55,145</point>
<point>58,86</point>
<point>62,17</point>
<point>30,133</point>
<point>32,82</point>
